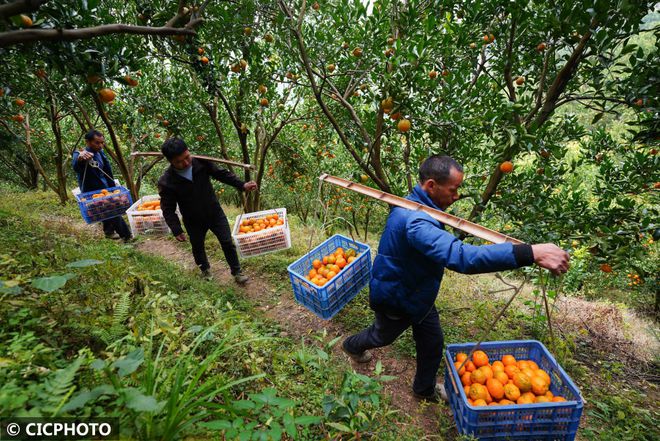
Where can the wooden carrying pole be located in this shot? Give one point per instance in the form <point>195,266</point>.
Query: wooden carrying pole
<point>447,219</point>
<point>207,158</point>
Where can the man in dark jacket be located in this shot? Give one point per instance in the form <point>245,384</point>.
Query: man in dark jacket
<point>95,173</point>
<point>187,183</point>
<point>413,253</point>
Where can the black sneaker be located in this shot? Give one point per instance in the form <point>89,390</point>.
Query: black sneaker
<point>241,278</point>
<point>112,236</point>
<point>362,357</point>
<point>439,394</point>
<point>206,274</point>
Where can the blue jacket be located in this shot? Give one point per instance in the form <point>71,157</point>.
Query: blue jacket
<point>413,253</point>
<point>94,178</point>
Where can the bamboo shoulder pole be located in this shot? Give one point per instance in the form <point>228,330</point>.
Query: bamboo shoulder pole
<point>447,219</point>
<point>207,158</point>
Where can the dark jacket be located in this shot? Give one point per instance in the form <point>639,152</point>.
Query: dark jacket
<point>197,200</point>
<point>413,253</point>
<point>93,176</point>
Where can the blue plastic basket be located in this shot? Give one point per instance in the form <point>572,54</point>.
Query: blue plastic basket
<point>542,421</point>
<point>327,300</point>
<point>105,207</point>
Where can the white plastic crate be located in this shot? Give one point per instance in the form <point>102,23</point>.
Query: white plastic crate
<point>264,241</point>
<point>147,221</point>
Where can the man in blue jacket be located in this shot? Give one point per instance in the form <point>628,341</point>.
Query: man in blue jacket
<point>95,173</point>
<point>413,253</point>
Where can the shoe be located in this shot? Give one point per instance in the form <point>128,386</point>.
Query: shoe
<point>439,394</point>
<point>112,236</point>
<point>129,239</point>
<point>206,274</point>
<point>362,357</point>
<point>241,278</point>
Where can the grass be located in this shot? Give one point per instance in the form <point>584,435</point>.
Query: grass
<point>131,299</point>
<point>47,330</point>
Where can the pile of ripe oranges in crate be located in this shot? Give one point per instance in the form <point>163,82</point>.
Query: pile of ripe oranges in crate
<point>260,223</point>
<point>150,205</point>
<point>504,382</point>
<point>330,266</point>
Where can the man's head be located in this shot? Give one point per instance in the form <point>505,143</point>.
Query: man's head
<point>440,177</point>
<point>176,151</point>
<point>94,140</point>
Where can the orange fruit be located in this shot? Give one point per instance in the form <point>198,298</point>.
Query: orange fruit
<point>532,365</point>
<point>457,364</point>
<point>312,273</point>
<point>466,379</point>
<point>331,274</point>
<point>506,167</point>
<point>204,60</point>
<point>341,263</point>
<point>495,388</point>
<point>107,95</point>
<point>479,403</point>
<point>542,399</point>
<point>527,371</point>
<point>480,358</point>
<point>501,377</point>
<point>478,392</point>
<point>508,360</point>
<point>558,399</point>
<point>488,371</point>
<point>527,398</point>
<point>522,381</point>
<point>461,356</point>
<point>549,395</point>
<point>539,386</point>
<point>505,402</point>
<point>26,21</point>
<point>478,376</point>
<point>543,374</point>
<point>263,102</point>
<point>511,392</point>
<point>522,364</point>
<point>331,259</point>
<point>403,125</point>
<point>510,370</point>
<point>498,366</point>
<point>470,367</point>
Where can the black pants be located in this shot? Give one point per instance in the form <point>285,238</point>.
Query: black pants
<point>428,338</point>
<point>117,225</point>
<point>220,227</point>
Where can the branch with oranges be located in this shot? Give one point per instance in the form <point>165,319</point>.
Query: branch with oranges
<point>28,34</point>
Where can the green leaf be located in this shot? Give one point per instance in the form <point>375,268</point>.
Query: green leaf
<point>140,402</point>
<point>53,283</point>
<point>339,426</point>
<point>217,425</point>
<point>84,263</point>
<point>306,420</point>
<point>88,395</point>
<point>130,363</point>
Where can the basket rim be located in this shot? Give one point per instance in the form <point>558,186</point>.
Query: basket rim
<point>300,276</point>
<point>534,406</point>
<point>81,195</point>
<point>235,234</point>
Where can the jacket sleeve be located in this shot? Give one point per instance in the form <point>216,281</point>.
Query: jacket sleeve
<point>168,205</point>
<point>224,176</point>
<point>446,250</point>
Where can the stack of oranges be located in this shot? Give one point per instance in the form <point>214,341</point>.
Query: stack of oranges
<point>324,270</point>
<point>260,223</point>
<point>504,382</point>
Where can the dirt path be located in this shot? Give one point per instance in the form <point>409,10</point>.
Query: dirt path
<point>299,322</point>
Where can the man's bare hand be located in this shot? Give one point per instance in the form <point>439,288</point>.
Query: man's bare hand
<point>85,156</point>
<point>551,257</point>
<point>181,237</point>
<point>250,186</point>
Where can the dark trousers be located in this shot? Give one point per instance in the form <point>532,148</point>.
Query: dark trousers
<point>117,225</point>
<point>428,338</point>
<point>220,227</point>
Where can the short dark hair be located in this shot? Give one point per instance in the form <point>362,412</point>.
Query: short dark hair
<point>173,147</point>
<point>92,134</point>
<point>438,168</point>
